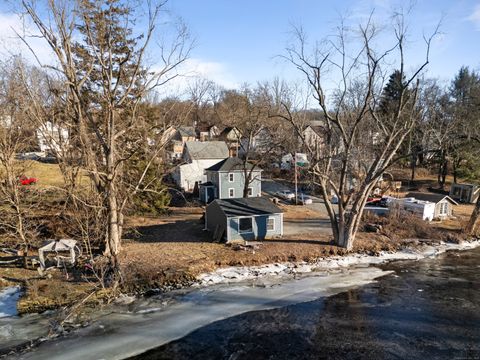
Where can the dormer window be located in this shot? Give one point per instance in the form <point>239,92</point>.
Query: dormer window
<point>230,177</point>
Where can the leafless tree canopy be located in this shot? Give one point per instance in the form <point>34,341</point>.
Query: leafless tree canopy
<point>361,138</point>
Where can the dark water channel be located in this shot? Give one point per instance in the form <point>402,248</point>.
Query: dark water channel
<point>428,309</point>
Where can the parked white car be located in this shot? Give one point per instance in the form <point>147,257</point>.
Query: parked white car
<point>285,194</point>
<point>303,199</point>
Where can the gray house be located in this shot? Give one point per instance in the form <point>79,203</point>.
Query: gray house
<point>465,193</point>
<point>443,203</point>
<point>226,180</point>
<point>243,219</point>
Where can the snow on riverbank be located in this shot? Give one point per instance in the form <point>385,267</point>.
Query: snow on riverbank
<point>124,332</point>
<point>119,335</point>
<point>8,301</point>
<point>237,274</point>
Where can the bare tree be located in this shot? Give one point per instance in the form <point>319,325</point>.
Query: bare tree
<point>361,142</point>
<point>102,66</point>
<point>15,135</point>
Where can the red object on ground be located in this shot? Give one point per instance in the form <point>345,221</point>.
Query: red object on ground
<point>28,181</point>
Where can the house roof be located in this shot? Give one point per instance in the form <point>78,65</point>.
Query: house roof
<point>186,131</point>
<point>204,126</point>
<point>465,185</point>
<point>317,129</point>
<point>207,149</point>
<point>247,206</point>
<point>229,129</point>
<point>432,197</point>
<point>206,184</point>
<point>232,164</point>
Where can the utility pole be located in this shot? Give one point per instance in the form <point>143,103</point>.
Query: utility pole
<point>296,181</point>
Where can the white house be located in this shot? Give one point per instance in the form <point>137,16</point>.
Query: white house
<point>198,156</point>
<point>52,138</point>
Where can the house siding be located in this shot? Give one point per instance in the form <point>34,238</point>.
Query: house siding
<point>259,230</point>
<point>467,193</point>
<point>238,184</point>
<point>188,174</point>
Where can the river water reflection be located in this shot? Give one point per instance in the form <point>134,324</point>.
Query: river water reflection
<point>428,309</point>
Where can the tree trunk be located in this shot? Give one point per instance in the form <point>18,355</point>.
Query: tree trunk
<point>473,222</point>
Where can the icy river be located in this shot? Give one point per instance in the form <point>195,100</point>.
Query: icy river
<point>406,309</point>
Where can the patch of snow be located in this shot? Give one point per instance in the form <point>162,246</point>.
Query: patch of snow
<point>330,264</point>
<point>8,301</point>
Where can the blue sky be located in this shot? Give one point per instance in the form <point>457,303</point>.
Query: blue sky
<point>239,41</point>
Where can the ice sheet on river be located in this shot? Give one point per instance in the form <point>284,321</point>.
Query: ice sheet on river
<point>8,301</point>
<point>120,335</point>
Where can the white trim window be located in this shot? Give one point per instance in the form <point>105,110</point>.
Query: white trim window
<point>231,192</point>
<point>231,177</point>
<point>270,223</point>
<point>245,225</point>
<point>250,192</point>
<point>443,208</point>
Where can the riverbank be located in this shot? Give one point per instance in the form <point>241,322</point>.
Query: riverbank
<point>127,325</point>
<point>171,252</point>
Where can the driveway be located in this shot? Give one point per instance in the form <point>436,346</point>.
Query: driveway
<point>300,226</point>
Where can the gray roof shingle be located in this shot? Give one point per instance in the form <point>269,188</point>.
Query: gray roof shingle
<point>186,131</point>
<point>232,164</point>
<point>432,197</point>
<point>247,206</point>
<point>207,149</point>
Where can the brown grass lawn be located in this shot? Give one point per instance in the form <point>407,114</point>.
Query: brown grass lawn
<point>169,249</point>
<point>48,174</point>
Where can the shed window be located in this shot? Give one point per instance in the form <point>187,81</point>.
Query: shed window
<point>231,192</point>
<point>250,192</point>
<point>443,208</point>
<point>271,224</point>
<point>230,177</point>
<point>245,225</point>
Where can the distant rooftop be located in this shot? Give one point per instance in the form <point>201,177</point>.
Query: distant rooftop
<point>186,131</point>
<point>207,149</point>
<point>232,164</point>
<point>432,197</point>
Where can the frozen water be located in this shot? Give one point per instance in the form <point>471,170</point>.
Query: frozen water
<point>117,335</point>
<point>120,335</point>
<point>8,301</point>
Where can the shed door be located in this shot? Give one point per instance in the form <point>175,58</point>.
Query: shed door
<point>210,194</point>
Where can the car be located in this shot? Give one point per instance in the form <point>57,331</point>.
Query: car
<point>285,194</point>
<point>303,199</point>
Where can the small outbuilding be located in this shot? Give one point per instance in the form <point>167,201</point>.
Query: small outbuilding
<point>465,193</point>
<point>443,203</point>
<point>243,219</point>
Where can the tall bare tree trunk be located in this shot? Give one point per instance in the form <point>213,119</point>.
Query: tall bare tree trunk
<point>473,222</point>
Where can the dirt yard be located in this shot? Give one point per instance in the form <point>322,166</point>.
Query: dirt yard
<point>166,250</point>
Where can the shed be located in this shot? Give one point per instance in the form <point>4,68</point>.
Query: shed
<point>465,193</point>
<point>243,219</point>
<point>443,203</point>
